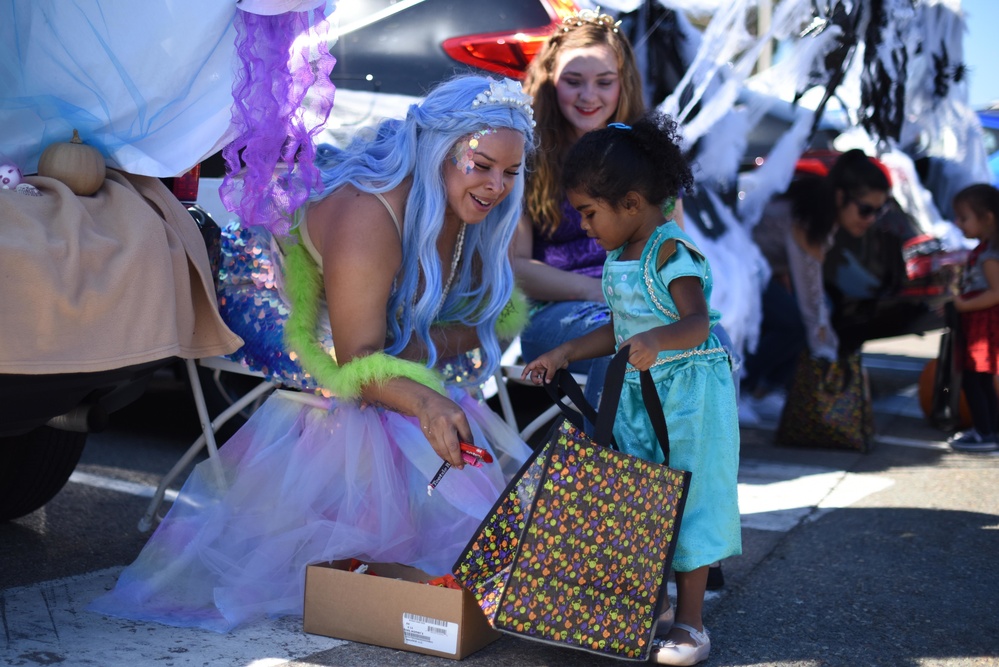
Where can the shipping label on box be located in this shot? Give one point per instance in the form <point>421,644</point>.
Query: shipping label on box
<point>431,633</point>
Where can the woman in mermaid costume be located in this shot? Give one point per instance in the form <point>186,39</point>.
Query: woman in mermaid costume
<point>405,248</point>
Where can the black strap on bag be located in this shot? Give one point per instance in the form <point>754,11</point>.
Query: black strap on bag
<point>945,408</point>
<point>563,383</point>
<point>610,398</point>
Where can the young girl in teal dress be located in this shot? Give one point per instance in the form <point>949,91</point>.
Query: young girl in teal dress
<point>658,286</point>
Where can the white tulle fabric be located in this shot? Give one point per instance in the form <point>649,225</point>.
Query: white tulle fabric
<point>305,484</point>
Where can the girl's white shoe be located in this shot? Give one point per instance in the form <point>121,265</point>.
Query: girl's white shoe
<point>668,652</point>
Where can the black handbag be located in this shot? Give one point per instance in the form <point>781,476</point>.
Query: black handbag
<point>828,405</point>
<point>945,402</point>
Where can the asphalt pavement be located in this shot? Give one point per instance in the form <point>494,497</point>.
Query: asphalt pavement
<point>886,558</point>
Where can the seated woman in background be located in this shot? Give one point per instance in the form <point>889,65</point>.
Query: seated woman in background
<point>584,78</point>
<point>794,235</point>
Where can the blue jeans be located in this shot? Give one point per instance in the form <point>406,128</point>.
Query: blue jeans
<point>782,338</point>
<point>560,321</point>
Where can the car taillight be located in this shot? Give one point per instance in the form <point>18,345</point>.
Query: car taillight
<point>185,186</point>
<point>507,53</point>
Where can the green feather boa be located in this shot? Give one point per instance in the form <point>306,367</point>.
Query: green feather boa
<point>303,286</point>
<point>514,316</point>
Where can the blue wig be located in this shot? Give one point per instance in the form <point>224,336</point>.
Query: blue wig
<point>420,146</point>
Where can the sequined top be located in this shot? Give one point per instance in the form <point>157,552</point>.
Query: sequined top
<point>639,293</point>
<point>253,304</point>
<point>569,248</point>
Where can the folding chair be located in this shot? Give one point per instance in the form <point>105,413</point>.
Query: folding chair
<point>510,370</point>
<point>209,427</point>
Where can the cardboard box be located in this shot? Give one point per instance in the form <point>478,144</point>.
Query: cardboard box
<point>393,609</point>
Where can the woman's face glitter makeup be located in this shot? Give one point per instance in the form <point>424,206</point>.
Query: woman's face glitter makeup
<point>464,151</point>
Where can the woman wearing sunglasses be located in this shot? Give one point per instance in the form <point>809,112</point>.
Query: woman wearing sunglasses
<point>794,235</point>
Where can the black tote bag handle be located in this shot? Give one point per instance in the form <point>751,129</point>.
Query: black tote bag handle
<point>610,398</point>
<point>563,382</point>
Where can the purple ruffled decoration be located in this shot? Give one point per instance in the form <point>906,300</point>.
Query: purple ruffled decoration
<point>269,115</point>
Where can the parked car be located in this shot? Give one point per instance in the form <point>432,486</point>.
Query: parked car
<point>388,54</point>
<point>989,118</point>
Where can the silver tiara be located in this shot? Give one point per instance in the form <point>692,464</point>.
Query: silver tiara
<point>507,92</point>
<point>593,17</point>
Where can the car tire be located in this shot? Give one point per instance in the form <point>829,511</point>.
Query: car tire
<point>34,467</point>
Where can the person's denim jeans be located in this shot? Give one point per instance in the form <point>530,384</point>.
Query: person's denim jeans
<point>560,321</point>
<point>782,338</point>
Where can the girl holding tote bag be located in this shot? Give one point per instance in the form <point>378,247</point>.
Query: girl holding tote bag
<point>658,286</point>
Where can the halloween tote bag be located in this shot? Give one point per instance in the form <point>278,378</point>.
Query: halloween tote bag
<point>577,550</point>
<point>828,405</point>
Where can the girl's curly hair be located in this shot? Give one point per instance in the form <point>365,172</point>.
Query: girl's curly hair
<point>646,158</point>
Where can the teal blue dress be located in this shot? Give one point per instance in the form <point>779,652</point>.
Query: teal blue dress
<point>696,389</point>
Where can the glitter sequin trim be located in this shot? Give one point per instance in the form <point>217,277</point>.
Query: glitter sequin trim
<point>683,355</point>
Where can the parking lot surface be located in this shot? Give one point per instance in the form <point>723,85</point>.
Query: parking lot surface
<point>885,558</point>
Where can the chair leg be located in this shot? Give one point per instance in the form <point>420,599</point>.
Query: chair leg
<point>539,421</point>
<point>208,430</point>
<point>504,399</point>
<point>206,421</point>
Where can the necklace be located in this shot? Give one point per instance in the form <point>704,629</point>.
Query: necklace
<point>459,245</point>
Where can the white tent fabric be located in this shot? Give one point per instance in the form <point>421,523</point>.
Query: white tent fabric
<point>149,83</point>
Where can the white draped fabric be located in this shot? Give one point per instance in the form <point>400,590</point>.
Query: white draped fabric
<point>149,83</point>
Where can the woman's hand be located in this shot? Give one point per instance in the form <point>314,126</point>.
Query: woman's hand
<point>543,368</point>
<point>445,426</point>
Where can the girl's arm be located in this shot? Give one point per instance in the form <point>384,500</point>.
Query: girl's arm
<point>688,332</point>
<point>543,282</point>
<point>362,253</point>
<point>987,298</point>
<point>597,343</point>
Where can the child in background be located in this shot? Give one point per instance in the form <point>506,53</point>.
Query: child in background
<point>658,286</point>
<point>976,213</point>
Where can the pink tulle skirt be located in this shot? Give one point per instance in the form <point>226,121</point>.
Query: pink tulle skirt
<point>306,483</point>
